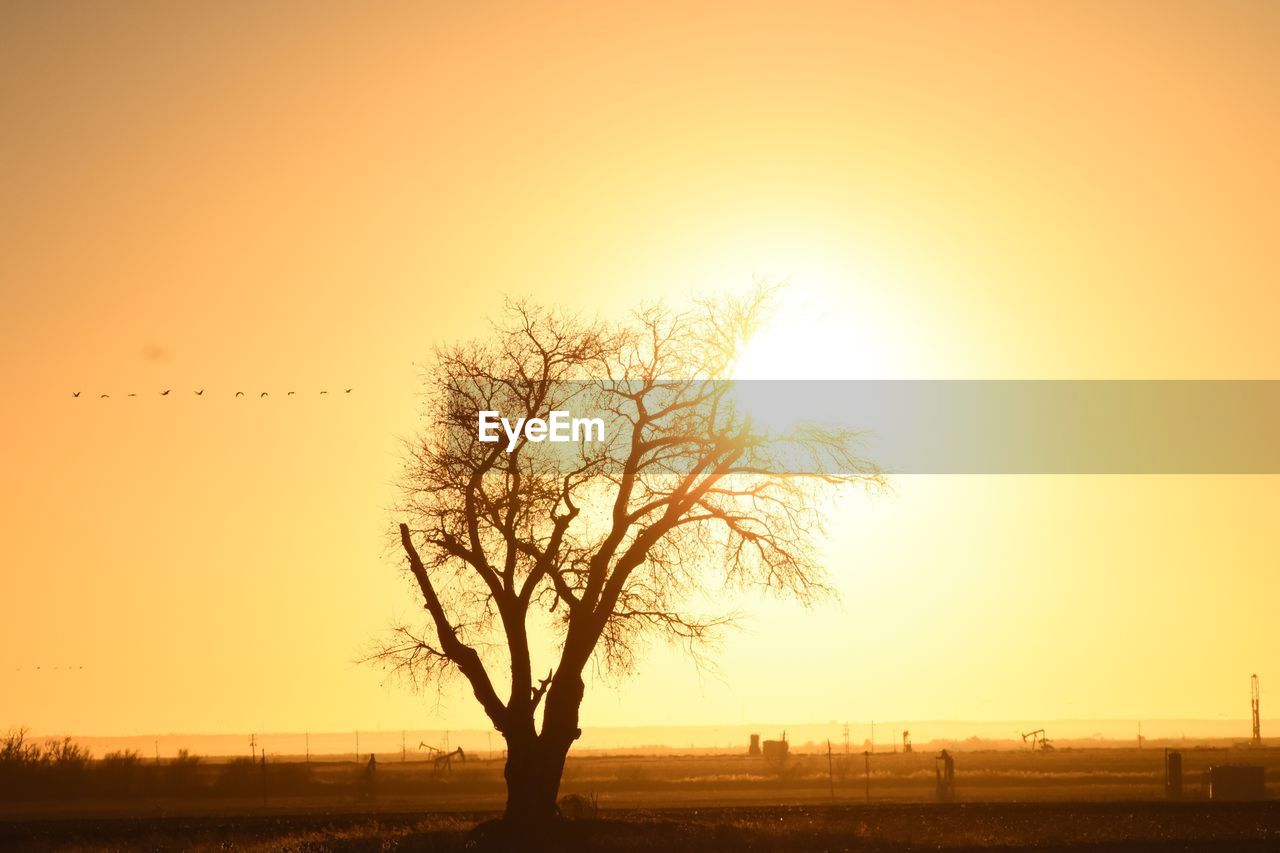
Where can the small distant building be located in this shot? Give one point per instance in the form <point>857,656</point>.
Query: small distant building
<point>754,750</point>
<point>1237,782</point>
<point>775,750</point>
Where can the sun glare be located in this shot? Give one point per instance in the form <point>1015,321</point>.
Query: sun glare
<point>817,334</point>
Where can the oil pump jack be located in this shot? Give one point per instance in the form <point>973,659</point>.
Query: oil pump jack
<point>1037,740</point>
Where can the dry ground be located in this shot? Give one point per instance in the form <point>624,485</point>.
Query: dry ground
<point>1195,826</point>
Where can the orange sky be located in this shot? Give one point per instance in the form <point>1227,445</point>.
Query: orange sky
<point>306,196</point>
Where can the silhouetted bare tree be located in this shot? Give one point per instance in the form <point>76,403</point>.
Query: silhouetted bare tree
<point>536,559</point>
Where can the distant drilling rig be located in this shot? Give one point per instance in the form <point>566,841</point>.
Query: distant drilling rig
<point>1256,740</point>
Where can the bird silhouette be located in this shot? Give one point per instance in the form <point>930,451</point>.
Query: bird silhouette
<point>239,393</point>
<point>324,392</point>
<point>263,394</point>
<point>200,393</point>
<point>75,393</point>
<point>165,392</point>
<point>104,396</point>
<point>348,391</point>
<point>291,393</point>
<point>133,395</point>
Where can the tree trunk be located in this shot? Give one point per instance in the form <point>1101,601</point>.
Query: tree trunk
<point>534,767</point>
<point>535,761</point>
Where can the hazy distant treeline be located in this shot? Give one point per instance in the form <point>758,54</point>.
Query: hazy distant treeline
<point>63,768</point>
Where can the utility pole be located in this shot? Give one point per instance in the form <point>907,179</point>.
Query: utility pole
<point>403,753</point>
<point>357,746</point>
<point>831,776</point>
<point>866,773</point>
<point>308,737</point>
<point>1257,721</point>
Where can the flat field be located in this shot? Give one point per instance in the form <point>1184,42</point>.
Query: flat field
<point>1096,799</point>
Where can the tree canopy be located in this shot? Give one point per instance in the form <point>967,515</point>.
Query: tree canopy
<point>535,560</point>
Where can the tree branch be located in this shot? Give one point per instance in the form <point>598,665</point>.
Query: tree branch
<point>463,656</point>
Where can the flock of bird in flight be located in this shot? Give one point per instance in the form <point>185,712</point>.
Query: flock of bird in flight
<point>200,393</point>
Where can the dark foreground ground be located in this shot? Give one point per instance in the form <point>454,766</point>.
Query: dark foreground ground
<point>1097,826</point>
